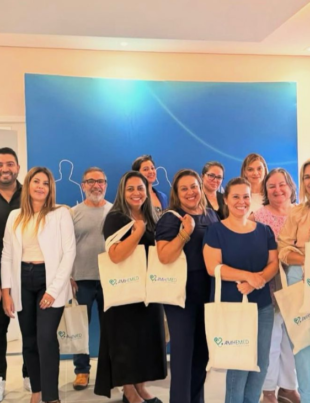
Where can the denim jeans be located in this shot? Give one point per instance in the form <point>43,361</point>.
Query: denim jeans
<point>246,386</point>
<point>88,292</point>
<point>302,359</point>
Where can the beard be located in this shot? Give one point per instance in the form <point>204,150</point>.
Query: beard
<point>93,197</point>
<point>10,178</point>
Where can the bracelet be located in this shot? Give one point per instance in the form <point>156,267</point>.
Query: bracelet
<point>184,236</point>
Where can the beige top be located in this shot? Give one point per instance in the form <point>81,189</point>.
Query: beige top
<point>295,232</point>
<point>31,248</point>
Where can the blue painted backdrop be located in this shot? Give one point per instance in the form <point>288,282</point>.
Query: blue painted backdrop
<point>74,123</point>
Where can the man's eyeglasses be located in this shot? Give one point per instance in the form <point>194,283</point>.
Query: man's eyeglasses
<point>213,177</point>
<point>91,182</point>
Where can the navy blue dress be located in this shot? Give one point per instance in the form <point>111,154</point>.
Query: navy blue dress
<point>189,351</point>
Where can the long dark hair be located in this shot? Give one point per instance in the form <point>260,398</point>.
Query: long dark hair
<point>120,205</point>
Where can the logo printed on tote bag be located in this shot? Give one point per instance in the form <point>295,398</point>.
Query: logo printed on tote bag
<point>220,342</point>
<point>64,335</point>
<point>154,277</point>
<point>299,319</point>
<point>308,281</point>
<point>115,281</point>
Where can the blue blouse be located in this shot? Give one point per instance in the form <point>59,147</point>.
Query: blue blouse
<point>249,251</point>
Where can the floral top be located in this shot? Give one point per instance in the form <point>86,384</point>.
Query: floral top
<point>266,217</point>
<point>276,222</point>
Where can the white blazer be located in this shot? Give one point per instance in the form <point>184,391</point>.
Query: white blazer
<point>57,242</point>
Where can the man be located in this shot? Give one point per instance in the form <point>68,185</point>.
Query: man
<point>88,219</point>
<point>10,192</point>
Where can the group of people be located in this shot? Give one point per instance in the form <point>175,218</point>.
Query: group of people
<point>50,254</point>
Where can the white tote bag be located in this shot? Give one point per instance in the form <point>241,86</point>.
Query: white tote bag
<point>290,300</point>
<point>166,283</point>
<point>231,329</point>
<point>72,331</point>
<point>305,308</point>
<point>122,283</point>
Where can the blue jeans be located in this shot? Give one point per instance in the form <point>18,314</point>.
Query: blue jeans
<point>88,292</point>
<point>302,359</point>
<point>246,386</point>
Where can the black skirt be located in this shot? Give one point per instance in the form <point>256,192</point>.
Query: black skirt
<point>132,347</point>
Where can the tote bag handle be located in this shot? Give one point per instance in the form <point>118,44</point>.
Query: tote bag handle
<point>117,236</point>
<point>218,286</point>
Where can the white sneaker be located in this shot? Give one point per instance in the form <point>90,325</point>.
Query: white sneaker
<point>2,387</point>
<point>27,385</point>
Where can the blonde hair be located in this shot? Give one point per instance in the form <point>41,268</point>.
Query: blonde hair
<point>249,159</point>
<point>27,212</point>
<point>304,196</point>
<point>174,201</point>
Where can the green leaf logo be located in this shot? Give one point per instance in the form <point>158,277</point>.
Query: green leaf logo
<point>153,277</point>
<point>308,281</point>
<point>61,334</point>
<point>113,281</point>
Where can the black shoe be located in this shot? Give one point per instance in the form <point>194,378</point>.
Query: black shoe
<point>154,400</point>
<point>125,400</point>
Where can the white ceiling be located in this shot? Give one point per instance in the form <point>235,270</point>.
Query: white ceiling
<point>195,26</point>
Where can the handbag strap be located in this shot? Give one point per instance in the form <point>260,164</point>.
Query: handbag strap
<point>218,286</point>
<point>114,238</point>
<point>282,275</point>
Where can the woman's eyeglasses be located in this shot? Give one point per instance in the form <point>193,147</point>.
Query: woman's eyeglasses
<point>214,177</point>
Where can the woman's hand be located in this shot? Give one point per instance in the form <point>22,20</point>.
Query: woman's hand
<point>245,288</point>
<point>188,224</point>
<point>46,301</point>
<point>8,304</point>
<point>74,286</point>
<point>139,226</point>
<point>256,280</point>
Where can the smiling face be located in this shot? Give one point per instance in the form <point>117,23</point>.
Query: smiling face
<point>238,200</point>
<point>135,193</point>
<point>9,169</point>
<point>94,186</point>
<point>212,179</point>
<point>148,170</point>
<point>189,193</point>
<point>278,191</point>
<point>39,188</point>
<point>255,172</point>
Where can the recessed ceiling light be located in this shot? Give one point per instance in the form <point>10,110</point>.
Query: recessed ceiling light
<point>124,44</point>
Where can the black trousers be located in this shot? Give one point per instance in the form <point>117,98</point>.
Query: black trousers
<point>188,352</point>
<point>39,332</point>
<point>4,324</point>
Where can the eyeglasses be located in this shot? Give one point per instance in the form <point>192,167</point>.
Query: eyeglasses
<point>91,182</point>
<point>213,177</point>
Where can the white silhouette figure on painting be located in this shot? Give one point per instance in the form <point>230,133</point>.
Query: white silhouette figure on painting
<point>68,191</point>
<point>164,171</point>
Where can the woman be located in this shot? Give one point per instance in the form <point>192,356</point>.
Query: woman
<point>212,177</point>
<point>279,197</point>
<point>293,236</point>
<point>37,260</point>
<point>248,254</point>
<point>146,166</point>
<point>132,342</point>
<point>189,352</point>
<point>254,169</point>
